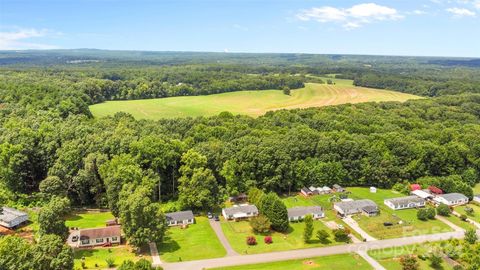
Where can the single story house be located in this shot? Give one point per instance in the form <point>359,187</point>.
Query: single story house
<point>451,199</point>
<point>477,198</point>
<point>99,236</point>
<point>240,212</point>
<point>306,191</point>
<point>366,207</point>
<point>320,190</point>
<point>299,213</point>
<point>405,202</point>
<point>11,218</point>
<point>180,218</point>
<point>338,188</point>
<point>424,194</point>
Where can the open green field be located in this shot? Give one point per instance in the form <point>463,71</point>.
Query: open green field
<point>196,242</point>
<point>253,103</point>
<point>476,211</point>
<point>476,189</point>
<point>337,262</point>
<point>84,220</point>
<point>95,258</point>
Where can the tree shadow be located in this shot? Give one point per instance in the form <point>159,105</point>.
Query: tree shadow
<point>168,245</point>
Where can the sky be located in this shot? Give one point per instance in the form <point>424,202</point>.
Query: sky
<point>396,27</point>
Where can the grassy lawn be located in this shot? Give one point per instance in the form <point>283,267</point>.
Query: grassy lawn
<point>95,258</point>
<point>462,224</point>
<point>196,242</point>
<point>237,232</point>
<point>390,257</point>
<point>337,262</point>
<point>410,224</point>
<point>84,220</point>
<point>298,200</point>
<point>476,213</point>
<point>476,189</point>
<point>253,103</point>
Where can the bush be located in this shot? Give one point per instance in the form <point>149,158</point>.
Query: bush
<point>342,235</point>
<point>431,213</point>
<point>469,211</point>
<point>268,240</point>
<point>110,262</point>
<point>251,240</point>
<point>260,224</point>
<point>443,210</point>
<point>435,260</point>
<point>422,214</point>
<point>322,235</point>
<point>463,217</point>
<point>409,262</point>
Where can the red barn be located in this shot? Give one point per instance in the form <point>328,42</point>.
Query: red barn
<point>435,190</point>
<point>415,187</point>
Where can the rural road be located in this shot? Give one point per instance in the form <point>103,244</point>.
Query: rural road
<point>308,253</point>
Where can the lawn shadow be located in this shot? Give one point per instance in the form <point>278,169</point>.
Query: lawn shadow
<point>168,245</point>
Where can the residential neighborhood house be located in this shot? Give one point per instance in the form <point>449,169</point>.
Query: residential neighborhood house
<point>299,213</point>
<point>11,218</point>
<point>99,236</point>
<point>180,218</point>
<point>366,207</point>
<point>240,212</point>
<point>405,202</point>
<point>338,188</point>
<point>451,199</point>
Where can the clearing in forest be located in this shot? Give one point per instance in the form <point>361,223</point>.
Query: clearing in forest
<point>253,103</point>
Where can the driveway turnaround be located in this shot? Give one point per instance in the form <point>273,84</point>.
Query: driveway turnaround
<point>217,228</point>
<point>310,252</point>
<point>370,260</point>
<point>354,225</point>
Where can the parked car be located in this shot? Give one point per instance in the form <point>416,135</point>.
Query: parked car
<point>217,218</point>
<point>387,224</point>
<point>74,238</point>
<point>209,215</point>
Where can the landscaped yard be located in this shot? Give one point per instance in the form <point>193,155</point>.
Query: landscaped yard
<point>95,258</point>
<point>390,257</point>
<point>476,214</point>
<point>237,233</point>
<point>196,242</point>
<point>84,220</point>
<point>337,262</point>
<point>476,189</point>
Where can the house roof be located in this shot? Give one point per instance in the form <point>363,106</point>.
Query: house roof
<point>304,210</point>
<point>370,208</point>
<point>10,214</point>
<point>100,232</point>
<point>247,208</point>
<point>179,216</point>
<point>358,205</point>
<point>337,186</point>
<point>453,197</point>
<point>405,200</point>
<point>422,194</point>
<point>306,190</point>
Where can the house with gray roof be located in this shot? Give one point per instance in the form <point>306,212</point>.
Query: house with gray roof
<point>451,199</point>
<point>237,212</point>
<point>366,207</point>
<point>405,202</point>
<point>11,218</point>
<point>180,218</point>
<point>477,198</point>
<point>299,213</point>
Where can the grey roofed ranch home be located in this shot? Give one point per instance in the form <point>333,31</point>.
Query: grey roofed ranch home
<point>405,202</point>
<point>11,218</point>
<point>451,199</point>
<point>99,236</point>
<point>299,213</point>
<point>367,207</point>
<point>180,218</point>
<point>240,212</point>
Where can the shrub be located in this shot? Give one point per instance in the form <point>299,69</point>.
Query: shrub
<point>251,241</point>
<point>435,260</point>
<point>322,235</point>
<point>268,240</point>
<point>308,231</point>
<point>469,211</point>
<point>110,262</point>
<point>443,210</point>
<point>463,217</point>
<point>342,235</point>
<point>471,236</point>
<point>409,262</point>
<point>422,214</point>
<point>260,224</point>
<point>431,213</point>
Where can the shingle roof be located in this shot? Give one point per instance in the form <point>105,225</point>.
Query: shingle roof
<point>179,216</point>
<point>249,208</point>
<point>100,232</point>
<point>405,200</point>
<point>9,214</point>
<point>302,211</point>
<point>349,206</point>
<point>454,196</point>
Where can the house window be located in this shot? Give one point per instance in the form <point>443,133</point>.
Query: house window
<point>190,220</point>
<point>114,238</point>
<point>99,240</point>
<point>85,242</point>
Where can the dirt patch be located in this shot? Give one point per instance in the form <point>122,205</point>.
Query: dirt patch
<point>310,263</point>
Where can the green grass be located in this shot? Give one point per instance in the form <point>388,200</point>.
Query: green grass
<point>476,189</point>
<point>410,226</point>
<point>84,220</point>
<point>476,213</point>
<point>462,224</point>
<point>253,103</point>
<point>337,262</point>
<point>237,232</point>
<point>196,242</point>
<point>97,256</point>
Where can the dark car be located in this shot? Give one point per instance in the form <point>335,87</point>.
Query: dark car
<point>74,238</point>
<point>387,224</point>
<point>217,218</point>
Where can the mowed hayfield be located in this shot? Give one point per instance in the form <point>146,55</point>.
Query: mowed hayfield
<point>253,103</point>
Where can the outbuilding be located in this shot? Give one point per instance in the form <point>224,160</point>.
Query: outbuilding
<point>306,191</point>
<point>451,199</point>
<point>338,188</point>
<point>299,213</point>
<point>405,202</point>
<point>180,218</point>
<point>11,218</point>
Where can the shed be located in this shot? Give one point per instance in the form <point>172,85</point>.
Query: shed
<point>373,190</point>
<point>11,218</point>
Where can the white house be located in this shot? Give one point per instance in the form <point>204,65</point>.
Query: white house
<point>476,198</point>
<point>180,218</point>
<point>366,207</point>
<point>240,212</point>
<point>11,218</point>
<point>299,213</point>
<point>99,236</point>
<point>422,194</point>
<point>405,202</point>
<point>451,199</point>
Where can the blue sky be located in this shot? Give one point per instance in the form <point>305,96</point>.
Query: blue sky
<point>402,27</point>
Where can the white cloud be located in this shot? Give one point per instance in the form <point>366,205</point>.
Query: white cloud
<point>460,12</point>
<point>353,17</point>
<point>18,39</point>
<point>476,4</point>
<point>419,12</point>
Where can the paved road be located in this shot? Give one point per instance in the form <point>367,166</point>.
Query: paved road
<point>376,265</point>
<point>309,253</point>
<point>218,231</point>
<point>354,225</point>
